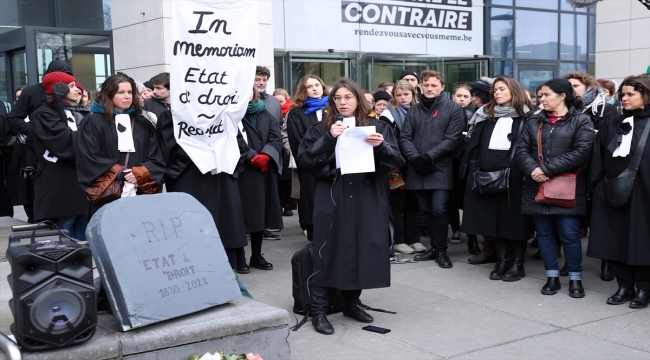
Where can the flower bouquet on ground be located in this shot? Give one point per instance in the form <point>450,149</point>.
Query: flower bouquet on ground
<point>225,356</point>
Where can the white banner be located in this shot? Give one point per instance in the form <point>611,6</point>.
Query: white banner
<point>212,73</point>
<point>420,27</point>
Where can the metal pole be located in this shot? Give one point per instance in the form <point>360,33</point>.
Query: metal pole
<point>30,227</point>
<point>10,348</point>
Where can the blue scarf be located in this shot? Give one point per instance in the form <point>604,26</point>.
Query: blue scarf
<point>314,105</point>
<point>98,109</point>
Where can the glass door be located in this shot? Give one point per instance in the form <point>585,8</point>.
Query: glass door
<point>328,70</point>
<point>531,75</point>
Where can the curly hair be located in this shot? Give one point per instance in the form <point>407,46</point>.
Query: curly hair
<point>586,79</point>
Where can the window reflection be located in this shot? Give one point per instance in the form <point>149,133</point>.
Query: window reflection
<point>501,32</point>
<point>538,4</point>
<point>538,41</point>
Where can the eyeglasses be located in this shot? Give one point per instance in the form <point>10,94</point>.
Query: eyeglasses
<point>347,98</point>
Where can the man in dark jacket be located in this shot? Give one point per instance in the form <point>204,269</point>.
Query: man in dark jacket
<point>23,159</point>
<point>430,134</point>
<point>262,75</point>
<point>161,100</point>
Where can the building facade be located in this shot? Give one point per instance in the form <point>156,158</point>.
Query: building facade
<point>623,39</point>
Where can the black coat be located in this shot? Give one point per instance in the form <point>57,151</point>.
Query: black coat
<point>566,148</point>
<point>436,132</point>
<point>497,215</point>
<point>602,117</point>
<point>351,212</point>
<point>218,193</point>
<point>258,190</point>
<point>97,151</point>
<point>297,125</point>
<point>57,190</point>
<point>620,234</point>
<point>155,106</point>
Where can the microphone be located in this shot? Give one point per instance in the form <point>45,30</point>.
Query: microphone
<point>338,118</point>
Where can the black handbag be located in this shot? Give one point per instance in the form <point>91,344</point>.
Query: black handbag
<point>493,182</point>
<point>618,191</point>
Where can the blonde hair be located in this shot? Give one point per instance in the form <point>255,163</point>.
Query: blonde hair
<point>404,85</point>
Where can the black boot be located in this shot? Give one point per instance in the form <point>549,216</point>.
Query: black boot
<point>429,255</point>
<point>472,245</point>
<point>503,260</point>
<point>606,271</point>
<point>322,325</point>
<point>575,289</point>
<point>621,296</point>
<point>352,309</point>
<point>641,299</point>
<point>552,286</point>
<point>517,271</point>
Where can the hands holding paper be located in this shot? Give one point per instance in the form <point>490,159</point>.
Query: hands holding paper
<point>375,139</point>
<point>128,176</point>
<point>338,128</point>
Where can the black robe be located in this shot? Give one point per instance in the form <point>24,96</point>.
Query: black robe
<point>98,156</point>
<point>258,190</point>
<point>351,212</point>
<point>494,214</point>
<point>57,190</point>
<point>297,124</point>
<point>218,193</point>
<point>620,234</point>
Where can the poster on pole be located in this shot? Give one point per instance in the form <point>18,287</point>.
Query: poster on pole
<point>213,63</point>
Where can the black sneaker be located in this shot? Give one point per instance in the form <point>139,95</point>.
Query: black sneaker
<point>270,236</point>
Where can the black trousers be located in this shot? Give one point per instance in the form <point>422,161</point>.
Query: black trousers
<point>320,299</point>
<point>404,206</point>
<point>628,276</point>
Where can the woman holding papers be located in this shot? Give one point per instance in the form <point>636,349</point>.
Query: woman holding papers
<point>491,145</point>
<point>306,110</point>
<point>620,234</point>
<point>113,133</point>
<point>351,210</point>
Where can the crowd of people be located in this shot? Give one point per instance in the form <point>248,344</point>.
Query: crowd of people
<point>548,166</point>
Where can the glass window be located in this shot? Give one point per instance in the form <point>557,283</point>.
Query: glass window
<point>538,4</point>
<point>502,2</point>
<point>504,68</point>
<point>581,67</point>
<point>501,39</point>
<point>330,72</point>
<point>566,68</point>
<point>538,41</point>
<point>19,69</point>
<point>4,92</point>
<point>581,37</point>
<point>591,50</point>
<point>88,56</point>
<point>566,7</point>
<point>68,14</point>
<point>567,37</point>
<point>24,13</point>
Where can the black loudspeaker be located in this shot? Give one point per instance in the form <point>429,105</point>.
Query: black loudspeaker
<point>54,302</point>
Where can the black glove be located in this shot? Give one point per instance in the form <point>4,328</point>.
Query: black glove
<point>422,164</point>
<point>60,90</point>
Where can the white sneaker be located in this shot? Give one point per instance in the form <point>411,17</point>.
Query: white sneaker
<point>403,249</point>
<point>418,247</point>
<point>305,232</point>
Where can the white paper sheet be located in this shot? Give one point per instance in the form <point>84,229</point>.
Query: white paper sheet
<point>353,154</point>
<point>124,133</point>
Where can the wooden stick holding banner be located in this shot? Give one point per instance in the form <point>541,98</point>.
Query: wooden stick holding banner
<point>213,63</point>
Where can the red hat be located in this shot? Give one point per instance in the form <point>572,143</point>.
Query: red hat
<point>56,77</point>
<point>79,86</point>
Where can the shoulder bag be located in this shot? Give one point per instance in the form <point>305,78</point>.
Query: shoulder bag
<point>492,182</point>
<point>618,191</point>
<point>559,190</point>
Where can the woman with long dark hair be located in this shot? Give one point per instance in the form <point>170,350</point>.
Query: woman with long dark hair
<point>54,128</point>
<point>307,109</point>
<point>620,233</point>
<point>567,137</point>
<point>102,158</point>
<point>491,145</point>
<point>351,211</point>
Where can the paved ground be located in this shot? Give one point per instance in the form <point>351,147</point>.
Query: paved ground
<point>453,313</point>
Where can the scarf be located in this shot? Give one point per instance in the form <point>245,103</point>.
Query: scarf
<point>399,114</point>
<point>314,105</point>
<point>499,111</point>
<point>285,107</point>
<point>255,108</point>
<point>593,98</point>
<point>620,144</point>
<point>98,109</point>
